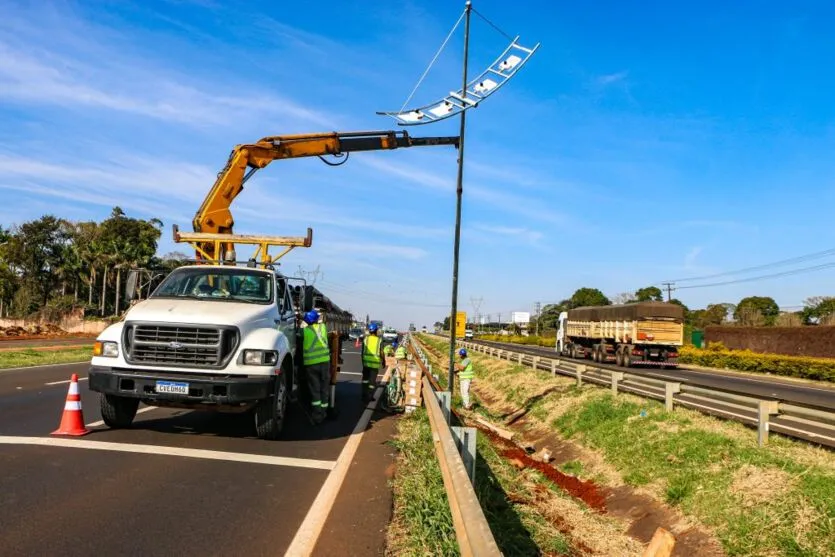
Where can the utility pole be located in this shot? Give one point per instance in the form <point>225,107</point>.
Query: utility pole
<point>459,195</point>
<point>476,303</point>
<point>669,286</point>
<point>538,306</point>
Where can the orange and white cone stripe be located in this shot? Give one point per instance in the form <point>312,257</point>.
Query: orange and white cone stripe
<point>72,420</point>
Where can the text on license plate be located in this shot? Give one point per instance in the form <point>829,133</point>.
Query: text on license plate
<point>172,387</point>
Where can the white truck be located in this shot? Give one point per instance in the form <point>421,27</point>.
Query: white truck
<point>216,337</point>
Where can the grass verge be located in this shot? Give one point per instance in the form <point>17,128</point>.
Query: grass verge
<point>422,524</point>
<point>34,357</point>
<point>774,500</point>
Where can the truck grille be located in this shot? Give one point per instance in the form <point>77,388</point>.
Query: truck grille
<point>179,345</point>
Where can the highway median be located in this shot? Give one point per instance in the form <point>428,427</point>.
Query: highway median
<point>48,355</point>
<point>703,479</point>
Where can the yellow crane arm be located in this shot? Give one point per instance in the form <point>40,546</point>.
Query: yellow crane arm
<point>214,215</point>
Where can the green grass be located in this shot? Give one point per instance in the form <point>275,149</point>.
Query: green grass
<point>692,462</point>
<point>34,357</point>
<point>698,469</point>
<point>422,523</point>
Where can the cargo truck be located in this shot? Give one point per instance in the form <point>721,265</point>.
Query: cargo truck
<point>642,333</point>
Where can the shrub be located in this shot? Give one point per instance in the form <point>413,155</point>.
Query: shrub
<point>820,369</point>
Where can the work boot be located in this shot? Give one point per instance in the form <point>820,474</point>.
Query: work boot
<point>332,414</point>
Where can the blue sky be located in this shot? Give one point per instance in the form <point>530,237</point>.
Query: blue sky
<point>638,145</point>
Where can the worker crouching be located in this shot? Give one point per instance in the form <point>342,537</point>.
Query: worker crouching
<point>372,359</point>
<point>316,359</point>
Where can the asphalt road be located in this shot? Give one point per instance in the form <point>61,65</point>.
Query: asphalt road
<point>60,496</point>
<point>820,396</point>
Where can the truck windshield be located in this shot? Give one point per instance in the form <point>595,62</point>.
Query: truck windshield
<point>233,285</point>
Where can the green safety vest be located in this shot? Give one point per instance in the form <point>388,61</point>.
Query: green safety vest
<point>371,351</point>
<point>316,349</point>
<point>400,353</point>
<point>468,372</point>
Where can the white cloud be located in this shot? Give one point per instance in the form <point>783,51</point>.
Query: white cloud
<point>690,258</point>
<point>609,79</point>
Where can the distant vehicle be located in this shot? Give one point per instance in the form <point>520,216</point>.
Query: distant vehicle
<point>468,333</point>
<point>643,333</point>
<point>390,334</point>
<point>423,329</point>
<point>355,333</point>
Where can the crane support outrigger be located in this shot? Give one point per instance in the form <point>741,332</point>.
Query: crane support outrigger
<point>213,238</point>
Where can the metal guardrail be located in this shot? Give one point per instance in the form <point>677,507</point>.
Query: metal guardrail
<point>792,420</point>
<point>475,539</point>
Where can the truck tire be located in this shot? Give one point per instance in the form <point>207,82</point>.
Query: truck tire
<point>117,411</point>
<point>619,358</point>
<point>271,412</point>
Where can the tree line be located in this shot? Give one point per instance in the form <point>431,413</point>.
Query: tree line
<point>50,266</point>
<point>751,311</point>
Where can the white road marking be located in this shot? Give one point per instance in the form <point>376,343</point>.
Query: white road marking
<point>310,529</point>
<point>140,411</point>
<point>169,451</point>
<point>64,381</point>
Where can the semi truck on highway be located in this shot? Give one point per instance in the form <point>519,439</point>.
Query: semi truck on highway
<point>642,333</point>
<point>223,334</point>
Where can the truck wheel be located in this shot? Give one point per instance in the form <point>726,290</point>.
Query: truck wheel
<point>118,411</point>
<point>270,413</point>
<point>619,358</point>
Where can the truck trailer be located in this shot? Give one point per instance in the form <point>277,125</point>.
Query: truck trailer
<point>642,333</point>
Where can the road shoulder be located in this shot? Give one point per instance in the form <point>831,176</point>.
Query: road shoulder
<point>360,516</point>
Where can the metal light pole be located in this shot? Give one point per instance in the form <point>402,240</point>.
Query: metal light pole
<point>459,193</point>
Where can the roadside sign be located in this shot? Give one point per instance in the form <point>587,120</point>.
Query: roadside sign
<point>460,324</point>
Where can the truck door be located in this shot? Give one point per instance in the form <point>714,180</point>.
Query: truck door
<point>561,332</point>
<point>286,322</point>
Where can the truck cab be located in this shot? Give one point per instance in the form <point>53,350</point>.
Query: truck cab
<point>217,337</point>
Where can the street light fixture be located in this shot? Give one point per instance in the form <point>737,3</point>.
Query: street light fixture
<point>470,95</point>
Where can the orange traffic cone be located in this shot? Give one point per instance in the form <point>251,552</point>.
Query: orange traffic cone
<point>72,421</point>
<point>357,343</point>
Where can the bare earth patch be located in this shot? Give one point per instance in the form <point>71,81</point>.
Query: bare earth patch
<point>754,486</point>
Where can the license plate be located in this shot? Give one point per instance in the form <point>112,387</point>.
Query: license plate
<point>653,353</point>
<point>172,387</point>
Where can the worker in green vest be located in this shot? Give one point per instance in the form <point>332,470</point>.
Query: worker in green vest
<point>400,356</point>
<point>465,376</point>
<point>388,350</point>
<point>316,359</point>
<point>372,361</point>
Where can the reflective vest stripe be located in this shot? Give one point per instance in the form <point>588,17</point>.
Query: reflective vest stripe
<point>400,353</point>
<point>371,351</point>
<point>468,372</point>
<point>316,349</point>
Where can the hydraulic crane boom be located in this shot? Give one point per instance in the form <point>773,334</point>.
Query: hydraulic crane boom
<point>214,216</point>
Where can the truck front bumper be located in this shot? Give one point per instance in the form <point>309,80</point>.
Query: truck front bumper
<point>203,389</point>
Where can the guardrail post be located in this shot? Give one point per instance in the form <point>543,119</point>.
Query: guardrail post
<point>670,389</point>
<point>445,402</point>
<point>520,358</point>
<point>580,370</point>
<point>766,409</point>
<point>554,364</point>
<point>509,355</point>
<point>617,376</point>
<point>465,438</point>
<point>536,362</point>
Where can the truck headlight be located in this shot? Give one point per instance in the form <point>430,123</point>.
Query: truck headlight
<point>260,357</point>
<point>106,349</point>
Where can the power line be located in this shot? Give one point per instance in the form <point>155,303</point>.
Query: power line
<point>798,259</point>
<point>763,277</point>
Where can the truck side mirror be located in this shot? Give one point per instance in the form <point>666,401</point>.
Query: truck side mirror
<point>130,285</point>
